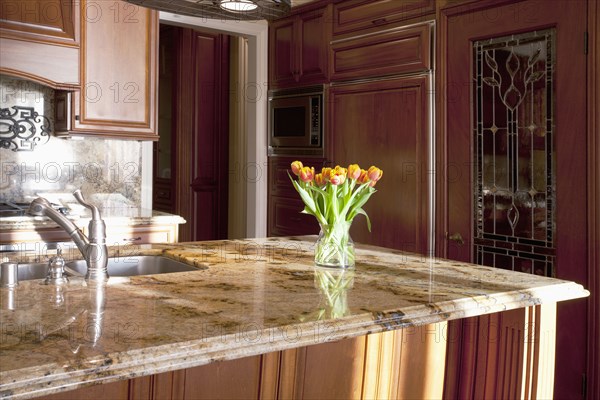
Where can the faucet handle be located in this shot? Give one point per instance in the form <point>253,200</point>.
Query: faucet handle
<point>79,197</point>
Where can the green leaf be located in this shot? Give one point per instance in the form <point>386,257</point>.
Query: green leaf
<point>361,211</point>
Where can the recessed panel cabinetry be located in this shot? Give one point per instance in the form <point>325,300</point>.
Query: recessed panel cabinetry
<point>118,71</point>
<point>298,49</point>
<point>397,51</point>
<point>39,40</point>
<point>351,17</point>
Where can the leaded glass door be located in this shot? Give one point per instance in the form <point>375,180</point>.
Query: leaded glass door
<point>514,159</point>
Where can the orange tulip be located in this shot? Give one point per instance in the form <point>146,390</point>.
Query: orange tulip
<point>307,174</point>
<point>320,180</point>
<point>296,167</point>
<point>364,177</point>
<point>375,173</point>
<point>326,171</point>
<point>337,176</point>
<point>353,171</point>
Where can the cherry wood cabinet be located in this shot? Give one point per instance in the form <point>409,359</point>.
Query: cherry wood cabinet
<point>118,96</point>
<point>355,16</point>
<point>398,51</point>
<point>298,49</point>
<point>386,123</point>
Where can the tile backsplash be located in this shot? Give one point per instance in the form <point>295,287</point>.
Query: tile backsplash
<point>108,168</point>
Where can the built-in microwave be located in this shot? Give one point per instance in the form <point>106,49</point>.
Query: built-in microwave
<point>296,122</point>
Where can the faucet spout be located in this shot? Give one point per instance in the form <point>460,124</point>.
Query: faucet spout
<point>93,249</point>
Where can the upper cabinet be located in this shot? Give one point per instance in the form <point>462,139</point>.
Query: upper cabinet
<point>119,54</point>
<point>298,48</point>
<point>103,51</point>
<point>39,40</point>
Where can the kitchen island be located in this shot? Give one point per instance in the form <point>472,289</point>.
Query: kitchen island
<point>259,297</point>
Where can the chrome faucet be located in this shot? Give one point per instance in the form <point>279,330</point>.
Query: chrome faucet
<point>94,248</point>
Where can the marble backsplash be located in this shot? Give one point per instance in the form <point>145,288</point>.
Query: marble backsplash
<point>109,169</point>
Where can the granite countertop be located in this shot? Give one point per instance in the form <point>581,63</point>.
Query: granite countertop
<point>247,297</point>
<point>112,216</point>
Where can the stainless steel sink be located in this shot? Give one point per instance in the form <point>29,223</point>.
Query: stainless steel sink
<point>26,272</point>
<point>118,266</point>
<point>136,265</point>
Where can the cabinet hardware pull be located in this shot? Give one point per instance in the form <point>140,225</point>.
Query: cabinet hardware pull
<point>379,21</point>
<point>132,239</point>
<point>456,237</point>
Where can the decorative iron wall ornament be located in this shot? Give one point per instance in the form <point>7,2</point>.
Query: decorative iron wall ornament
<point>23,129</point>
<point>514,154</point>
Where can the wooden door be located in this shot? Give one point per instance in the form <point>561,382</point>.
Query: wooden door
<point>201,134</point>
<point>386,123</point>
<point>514,189</point>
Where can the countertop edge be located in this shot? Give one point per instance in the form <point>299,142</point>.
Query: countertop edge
<point>202,351</point>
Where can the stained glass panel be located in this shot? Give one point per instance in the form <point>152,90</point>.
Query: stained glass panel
<point>514,154</point>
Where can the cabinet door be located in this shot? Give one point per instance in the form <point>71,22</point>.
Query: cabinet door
<point>283,50</point>
<point>118,71</point>
<point>44,21</point>
<point>39,41</point>
<point>386,124</point>
<point>315,34</point>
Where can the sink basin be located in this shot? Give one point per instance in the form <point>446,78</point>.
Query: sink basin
<point>136,265</point>
<point>26,272</point>
<point>118,266</point>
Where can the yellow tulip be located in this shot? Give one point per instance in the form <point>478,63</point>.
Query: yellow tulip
<point>326,171</point>
<point>353,171</point>
<point>320,180</point>
<point>337,176</point>
<point>307,174</point>
<point>375,173</point>
<point>364,177</point>
<point>296,167</point>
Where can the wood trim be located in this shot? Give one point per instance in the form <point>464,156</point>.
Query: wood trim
<point>593,113</point>
<point>291,380</point>
<point>269,375</point>
<point>39,79</point>
<point>183,133</point>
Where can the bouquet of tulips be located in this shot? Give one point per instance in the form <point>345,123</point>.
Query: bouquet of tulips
<point>334,197</point>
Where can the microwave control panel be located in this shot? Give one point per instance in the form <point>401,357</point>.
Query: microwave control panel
<point>315,120</point>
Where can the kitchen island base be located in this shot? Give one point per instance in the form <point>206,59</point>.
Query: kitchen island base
<point>409,363</point>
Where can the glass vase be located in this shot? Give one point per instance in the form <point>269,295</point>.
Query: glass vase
<point>334,247</point>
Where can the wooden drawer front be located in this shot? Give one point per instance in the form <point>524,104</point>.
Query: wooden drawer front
<point>350,16</point>
<point>406,50</point>
<point>140,235</point>
<point>285,218</point>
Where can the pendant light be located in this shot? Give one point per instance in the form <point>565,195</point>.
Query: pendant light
<point>221,9</point>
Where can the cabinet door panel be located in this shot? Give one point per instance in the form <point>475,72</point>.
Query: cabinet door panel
<point>350,16</point>
<point>282,41</point>
<point>396,52</point>
<point>386,123</point>
<point>314,46</point>
<point>51,21</point>
<point>118,70</point>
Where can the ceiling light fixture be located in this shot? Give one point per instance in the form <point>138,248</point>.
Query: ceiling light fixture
<point>241,10</point>
<point>238,5</point>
